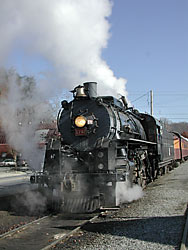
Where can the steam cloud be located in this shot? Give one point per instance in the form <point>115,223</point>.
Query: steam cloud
<point>70,36</point>
<point>125,193</point>
<point>21,109</point>
<point>30,203</point>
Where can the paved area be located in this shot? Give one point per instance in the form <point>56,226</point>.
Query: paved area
<point>13,182</point>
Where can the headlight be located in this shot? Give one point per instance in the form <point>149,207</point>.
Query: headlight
<point>80,121</point>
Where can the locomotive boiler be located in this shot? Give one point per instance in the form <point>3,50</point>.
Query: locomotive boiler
<point>102,142</point>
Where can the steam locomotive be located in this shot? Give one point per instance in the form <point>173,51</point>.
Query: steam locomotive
<point>103,142</point>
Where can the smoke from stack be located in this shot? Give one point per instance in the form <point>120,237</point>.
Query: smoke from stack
<point>68,34</point>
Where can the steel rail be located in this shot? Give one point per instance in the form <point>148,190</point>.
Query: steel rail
<point>71,233</point>
<point>15,230</point>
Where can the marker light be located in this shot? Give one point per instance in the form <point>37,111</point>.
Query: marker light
<point>80,121</point>
<point>101,166</point>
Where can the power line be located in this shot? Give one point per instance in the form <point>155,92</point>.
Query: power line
<point>158,92</point>
<point>175,114</point>
<point>158,106</point>
<point>174,118</point>
<point>140,97</point>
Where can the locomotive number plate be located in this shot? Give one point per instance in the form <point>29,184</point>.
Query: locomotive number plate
<point>80,131</point>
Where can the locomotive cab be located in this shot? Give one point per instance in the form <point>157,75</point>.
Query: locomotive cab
<point>162,152</point>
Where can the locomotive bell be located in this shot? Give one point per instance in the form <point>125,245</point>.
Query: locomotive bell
<point>80,92</point>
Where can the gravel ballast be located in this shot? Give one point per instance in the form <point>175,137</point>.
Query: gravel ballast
<point>155,221</point>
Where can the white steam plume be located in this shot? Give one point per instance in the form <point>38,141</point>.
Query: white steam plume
<point>69,34</point>
<point>21,110</point>
<point>125,193</point>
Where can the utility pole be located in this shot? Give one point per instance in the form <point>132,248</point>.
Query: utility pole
<point>151,102</point>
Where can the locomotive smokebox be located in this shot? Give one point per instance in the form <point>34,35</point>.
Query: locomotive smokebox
<point>91,89</point>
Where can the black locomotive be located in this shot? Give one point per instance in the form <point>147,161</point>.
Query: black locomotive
<point>102,142</point>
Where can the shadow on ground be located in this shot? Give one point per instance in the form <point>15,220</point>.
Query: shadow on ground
<point>162,230</point>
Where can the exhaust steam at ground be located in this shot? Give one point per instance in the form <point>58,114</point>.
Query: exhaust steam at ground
<point>31,203</point>
<point>125,193</point>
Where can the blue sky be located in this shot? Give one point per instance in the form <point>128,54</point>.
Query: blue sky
<point>149,47</point>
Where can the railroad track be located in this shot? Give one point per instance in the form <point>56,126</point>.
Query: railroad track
<point>46,232</point>
<point>20,228</point>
